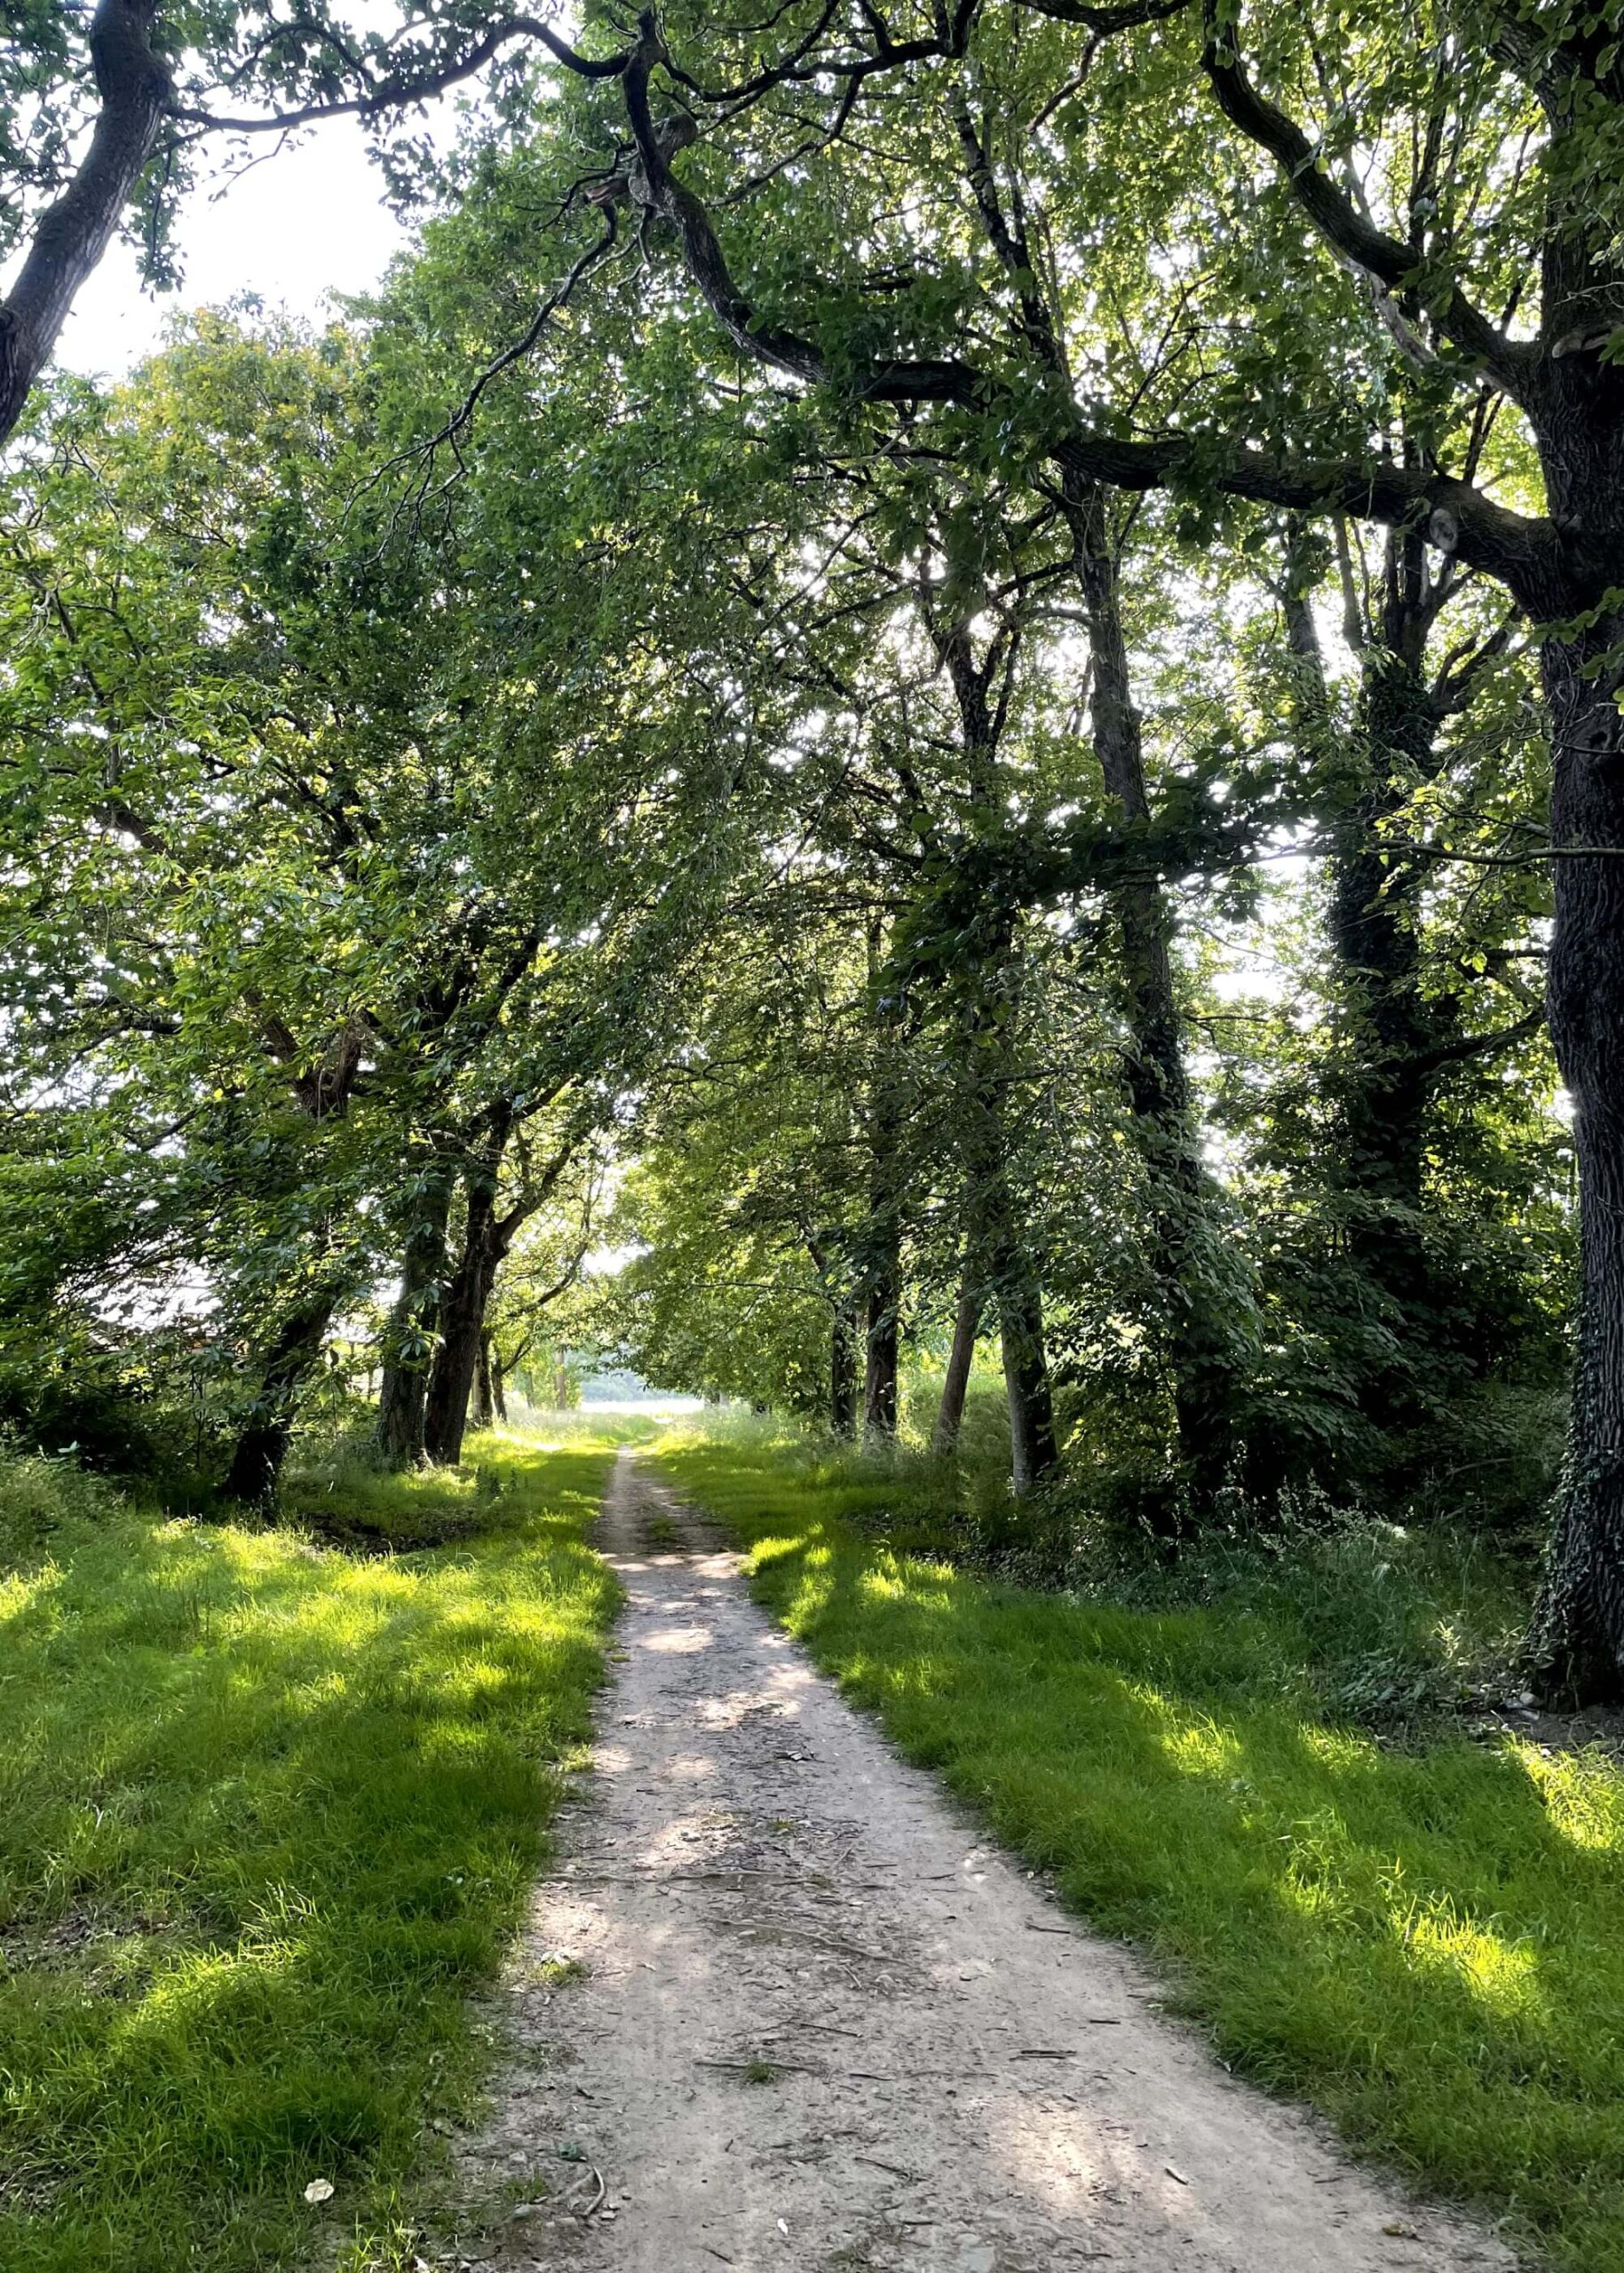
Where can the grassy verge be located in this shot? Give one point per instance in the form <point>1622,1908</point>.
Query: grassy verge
<point>268,1809</point>
<point>1427,1941</point>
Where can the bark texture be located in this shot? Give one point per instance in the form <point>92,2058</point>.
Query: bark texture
<point>1577,413</point>
<point>1205,1306</point>
<point>955,1382</point>
<point>134,84</point>
<point>483,1391</point>
<point>462,1322</point>
<point>408,1347</point>
<point>1033,1451</point>
<point>1578,1638</point>
<point>880,1370</point>
<point>843,1371</point>
<point>262,1443</point>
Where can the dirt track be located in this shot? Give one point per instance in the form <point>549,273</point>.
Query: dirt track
<point>822,2027</point>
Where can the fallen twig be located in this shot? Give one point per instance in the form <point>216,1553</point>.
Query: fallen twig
<point>779,2067</point>
<point>597,2202</point>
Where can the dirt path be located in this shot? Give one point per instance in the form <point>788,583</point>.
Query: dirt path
<point>822,2027</point>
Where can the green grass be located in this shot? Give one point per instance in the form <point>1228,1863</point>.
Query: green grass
<point>1428,1941</point>
<point>268,1811</point>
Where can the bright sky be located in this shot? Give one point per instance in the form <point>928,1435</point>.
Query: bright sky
<point>294,228</point>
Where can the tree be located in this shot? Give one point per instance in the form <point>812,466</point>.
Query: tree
<point>316,891</point>
<point>1551,76</point>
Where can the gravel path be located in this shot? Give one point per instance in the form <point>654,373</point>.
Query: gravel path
<point>780,2008</point>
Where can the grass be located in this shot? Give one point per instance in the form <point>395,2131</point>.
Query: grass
<point>268,1811</point>
<point>1426,1940</point>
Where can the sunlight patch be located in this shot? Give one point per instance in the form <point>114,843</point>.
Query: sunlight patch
<point>1582,1794</point>
<point>1501,1974</point>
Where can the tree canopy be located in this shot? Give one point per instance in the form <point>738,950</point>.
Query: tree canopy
<point>950,677</point>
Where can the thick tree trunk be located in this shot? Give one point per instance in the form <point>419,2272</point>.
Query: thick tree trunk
<point>1577,1640</point>
<point>843,1371</point>
<point>1033,1451</point>
<point>457,1357</point>
<point>1577,1643</point>
<point>456,1367</point>
<point>956,1381</point>
<point>262,1443</point>
<point>499,1388</point>
<point>1205,1331</point>
<point>463,1301</point>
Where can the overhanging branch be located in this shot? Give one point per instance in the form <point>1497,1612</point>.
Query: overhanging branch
<point>1511,364</point>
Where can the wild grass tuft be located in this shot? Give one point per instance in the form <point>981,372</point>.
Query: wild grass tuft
<point>267,1811</point>
<point>1425,1939</point>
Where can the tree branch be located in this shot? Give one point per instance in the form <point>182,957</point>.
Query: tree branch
<point>71,236</point>
<point>1513,365</point>
<point>1524,553</point>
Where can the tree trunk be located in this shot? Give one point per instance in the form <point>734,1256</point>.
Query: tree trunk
<point>406,1352</point>
<point>1577,1644</point>
<point>1383,1091</point>
<point>456,1361</point>
<point>843,1371</point>
<point>499,1388</point>
<point>997,1246</point>
<point>1033,1454</point>
<point>133,83</point>
<point>262,1443</point>
<point>999,1255</point>
<point>881,1366</point>
<point>955,1382</point>
<point>1383,1075</point>
<point>462,1323</point>
<point>882,1273</point>
<point>401,1413</point>
<point>1205,1329</point>
<point>484,1402</point>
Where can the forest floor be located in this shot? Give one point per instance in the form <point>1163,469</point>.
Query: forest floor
<point>780,2005</point>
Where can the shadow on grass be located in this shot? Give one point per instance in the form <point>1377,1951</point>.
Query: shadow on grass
<point>1429,1943</point>
<point>266,1813</point>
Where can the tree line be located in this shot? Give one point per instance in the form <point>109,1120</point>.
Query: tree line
<point>766,694</point>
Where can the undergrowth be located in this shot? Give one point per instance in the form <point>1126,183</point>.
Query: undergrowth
<point>268,1809</point>
<point>1425,1938</point>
